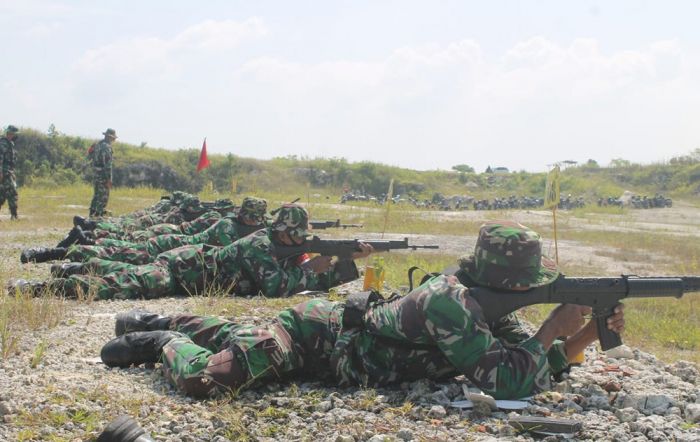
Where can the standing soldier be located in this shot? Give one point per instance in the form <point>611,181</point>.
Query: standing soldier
<point>100,155</point>
<point>8,157</point>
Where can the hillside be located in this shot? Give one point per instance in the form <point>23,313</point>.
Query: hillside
<point>53,158</point>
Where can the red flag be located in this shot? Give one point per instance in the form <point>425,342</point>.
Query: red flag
<point>203,160</point>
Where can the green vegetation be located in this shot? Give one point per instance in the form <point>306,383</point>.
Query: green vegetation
<point>59,159</point>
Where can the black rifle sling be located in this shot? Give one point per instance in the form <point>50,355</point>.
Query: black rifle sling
<point>427,275</point>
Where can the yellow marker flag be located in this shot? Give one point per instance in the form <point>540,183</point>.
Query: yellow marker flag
<point>388,202</point>
<point>551,201</point>
<point>551,192</point>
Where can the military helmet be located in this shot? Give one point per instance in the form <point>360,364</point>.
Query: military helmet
<point>253,209</point>
<point>508,255</point>
<point>293,219</point>
<point>11,129</point>
<point>110,133</point>
<point>190,204</point>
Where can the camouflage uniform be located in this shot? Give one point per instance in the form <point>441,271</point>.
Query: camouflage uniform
<point>222,233</point>
<point>436,331</point>
<point>247,266</point>
<point>101,157</point>
<point>8,184</point>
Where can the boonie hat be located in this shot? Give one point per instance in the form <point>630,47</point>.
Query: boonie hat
<point>253,209</point>
<point>110,132</point>
<point>293,219</point>
<point>508,255</point>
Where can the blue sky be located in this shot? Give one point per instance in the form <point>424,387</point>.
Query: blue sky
<point>420,84</point>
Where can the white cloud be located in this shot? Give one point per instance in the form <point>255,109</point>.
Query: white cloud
<point>152,55</point>
<point>425,106</point>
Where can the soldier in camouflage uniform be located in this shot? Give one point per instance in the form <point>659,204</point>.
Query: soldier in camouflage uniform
<point>101,157</point>
<point>8,158</point>
<point>250,217</point>
<point>436,331</point>
<point>145,245</point>
<point>248,266</point>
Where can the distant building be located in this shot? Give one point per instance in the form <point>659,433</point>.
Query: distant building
<point>501,170</point>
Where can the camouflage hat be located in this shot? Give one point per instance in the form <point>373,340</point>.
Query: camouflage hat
<point>293,219</point>
<point>11,129</point>
<point>508,255</point>
<point>190,203</point>
<point>253,209</point>
<point>110,133</point>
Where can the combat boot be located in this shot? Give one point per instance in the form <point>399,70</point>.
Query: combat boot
<point>71,238</point>
<point>13,213</point>
<point>124,429</point>
<point>140,320</point>
<point>84,223</point>
<point>136,348</point>
<point>29,286</point>
<point>65,269</point>
<point>41,254</point>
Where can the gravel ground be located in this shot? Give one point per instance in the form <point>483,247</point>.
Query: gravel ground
<point>69,395</point>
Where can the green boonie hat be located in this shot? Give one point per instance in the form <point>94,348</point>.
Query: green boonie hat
<point>191,204</point>
<point>110,132</point>
<point>11,129</point>
<point>293,219</point>
<point>253,209</point>
<point>508,255</point>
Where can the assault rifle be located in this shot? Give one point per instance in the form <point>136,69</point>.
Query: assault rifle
<point>602,294</point>
<point>344,248</point>
<point>322,225</point>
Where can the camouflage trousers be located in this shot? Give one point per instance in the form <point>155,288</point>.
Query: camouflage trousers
<point>8,191</point>
<point>434,332</point>
<point>100,197</point>
<point>130,253</point>
<point>183,271</point>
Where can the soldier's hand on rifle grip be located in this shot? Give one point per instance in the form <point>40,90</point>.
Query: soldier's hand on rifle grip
<point>319,264</point>
<point>569,318</point>
<point>616,322</point>
<point>365,251</point>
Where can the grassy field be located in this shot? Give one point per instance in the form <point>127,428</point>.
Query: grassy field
<point>600,240</point>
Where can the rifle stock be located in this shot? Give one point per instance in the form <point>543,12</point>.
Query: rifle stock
<point>601,294</point>
<point>344,248</point>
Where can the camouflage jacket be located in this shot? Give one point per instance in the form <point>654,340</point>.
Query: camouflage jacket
<point>261,272</point>
<point>438,331</point>
<point>102,160</point>
<point>8,156</point>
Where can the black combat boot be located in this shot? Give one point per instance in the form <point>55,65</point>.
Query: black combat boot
<point>13,213</point>
<point>83,223</point>
<point>38,288</point>
<point>42,254</point>
<point>124,429</point>
<point>136,348</point>
<point>140,320</point>
<point>71,238</point>
<point>32,286</point>
<point>65,269</point>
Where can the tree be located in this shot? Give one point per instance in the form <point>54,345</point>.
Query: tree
<point>619,162</point>
<point>464,168</point>
<point>488,170</point>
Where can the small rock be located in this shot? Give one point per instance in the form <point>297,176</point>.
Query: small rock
<point>627,414</point>
<point>323,406</point>
<point>5,408</point>
<point>405,434</point>
<point>692,413</point>
<point>437,411</point>
<point>380,438</point>
<point>621,352</point>
<point>344,438</point>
